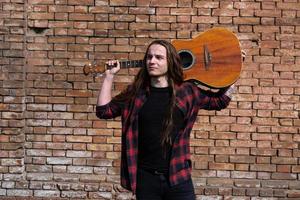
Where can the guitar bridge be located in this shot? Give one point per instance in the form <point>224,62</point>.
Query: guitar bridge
<point>207,57</point>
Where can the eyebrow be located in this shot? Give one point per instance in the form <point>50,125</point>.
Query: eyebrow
<point>160,55</point>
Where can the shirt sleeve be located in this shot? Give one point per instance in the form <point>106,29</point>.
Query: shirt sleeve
<point>108,111</point>
<point>113,108</point>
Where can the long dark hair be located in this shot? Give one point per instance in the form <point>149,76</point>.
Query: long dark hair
<point>175,77</point>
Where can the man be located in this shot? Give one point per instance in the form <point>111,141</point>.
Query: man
<point>158,112</point>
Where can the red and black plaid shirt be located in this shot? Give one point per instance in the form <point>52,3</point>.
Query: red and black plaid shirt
<point>189,99</point>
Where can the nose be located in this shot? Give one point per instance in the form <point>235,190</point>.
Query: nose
<point>152,59</point>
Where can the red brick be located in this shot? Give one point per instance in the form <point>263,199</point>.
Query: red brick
<point>263,167</point>
<point>242,159</point>
<point>41,16</point>
<point>246,20</point>
<point>252,143</point>
<point>247,5</point>
<point>286,145</point>
<point>285,176</point>
<point>142,26</point>
<point>221,166</point>
<point>100,147</point>
<point>183,11</point>
<point>225,12</point>
<point>221,150</point>
<point>206,4</point>
<point>81,2</point>
<point>204,19</point>
<point>247,183</point>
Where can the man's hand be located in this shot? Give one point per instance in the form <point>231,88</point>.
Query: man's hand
<point>113,67</point>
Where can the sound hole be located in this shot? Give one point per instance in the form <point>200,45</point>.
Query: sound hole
<point>187,58</point>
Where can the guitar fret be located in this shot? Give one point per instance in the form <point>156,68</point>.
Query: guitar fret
<point>121,64</point>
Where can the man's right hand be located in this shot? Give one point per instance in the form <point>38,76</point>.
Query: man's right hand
<point>113,67</point>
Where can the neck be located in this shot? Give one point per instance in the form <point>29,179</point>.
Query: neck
<point>159,82</point>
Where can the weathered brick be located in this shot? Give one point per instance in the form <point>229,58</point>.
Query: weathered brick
<point>242,159</point>
<point>77,154</point>
<point>100,162</point>
<point>204,19</point>
<point>46,193</point>
<point>247,183</point>
<point>92,178</point>
<point>11,162</point>
<point>73,194</point>
<point>87,139</point>
<point>243,175</point>
<point>80,169</point>
<point>100,147</point>
<point>221,166</point>
<point>19,193</point>
<point>263,167</point>
<point>251,146</point>
<point>59,161</point>
<point>105,195</point>
<point>284,176</point>
<point>41,16</point>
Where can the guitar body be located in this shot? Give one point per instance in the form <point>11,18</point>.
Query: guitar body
<point>213,58</point>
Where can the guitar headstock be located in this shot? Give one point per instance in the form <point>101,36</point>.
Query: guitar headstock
<point>93,69</point>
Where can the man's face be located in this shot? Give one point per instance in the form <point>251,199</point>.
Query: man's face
<point>156,61</point>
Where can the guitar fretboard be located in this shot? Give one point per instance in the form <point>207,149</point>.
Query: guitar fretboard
<point>131,63</point>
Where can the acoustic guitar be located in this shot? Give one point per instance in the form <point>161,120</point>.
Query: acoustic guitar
<point>213,58</point>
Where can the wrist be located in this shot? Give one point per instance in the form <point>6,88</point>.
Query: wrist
<point>109,77</point>
<point>230,91</point>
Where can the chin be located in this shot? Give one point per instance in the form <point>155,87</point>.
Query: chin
<point>154,75</point>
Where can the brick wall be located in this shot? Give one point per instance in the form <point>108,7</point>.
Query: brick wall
<point>52,145</point>
<point>12,99</point>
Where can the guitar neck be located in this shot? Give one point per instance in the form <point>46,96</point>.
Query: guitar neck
<point>131,64</point>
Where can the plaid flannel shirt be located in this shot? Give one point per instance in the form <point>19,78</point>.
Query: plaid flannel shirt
<point>189,99</point>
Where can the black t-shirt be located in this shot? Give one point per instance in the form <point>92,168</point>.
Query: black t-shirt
<point>151,117</point>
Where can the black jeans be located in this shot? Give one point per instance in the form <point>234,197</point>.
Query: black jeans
<point>151,186</point>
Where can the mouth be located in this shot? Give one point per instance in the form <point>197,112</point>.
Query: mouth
<point>151,68</point>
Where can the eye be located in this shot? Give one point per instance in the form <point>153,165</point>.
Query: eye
<point>149,57</point>
<point>158,57</point>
